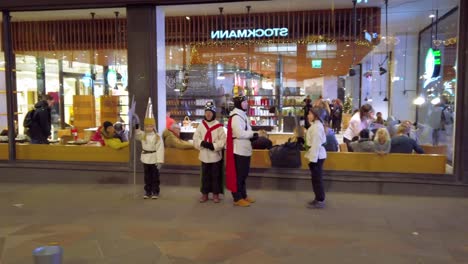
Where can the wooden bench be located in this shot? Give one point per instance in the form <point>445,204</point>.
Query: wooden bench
<point>336,161</point>
<point>71,153</point>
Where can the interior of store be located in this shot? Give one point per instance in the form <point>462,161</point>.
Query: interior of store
<point>276,73</point>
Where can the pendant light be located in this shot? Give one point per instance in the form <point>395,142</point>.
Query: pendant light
<point>352,71</point>
<point>382,70</point>
<point>116,58</point>
<point>93,68</point>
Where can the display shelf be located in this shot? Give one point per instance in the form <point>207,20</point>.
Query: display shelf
<point>183,106</point>
<point>188,115</point>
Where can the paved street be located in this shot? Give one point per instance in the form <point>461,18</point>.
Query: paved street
<point>106,224</point>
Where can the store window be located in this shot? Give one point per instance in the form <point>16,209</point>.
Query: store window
<point>74,65</point>
<point>290,53</point>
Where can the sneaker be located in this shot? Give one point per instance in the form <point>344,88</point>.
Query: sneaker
<point>155,197</point>
<point>242,203</point>
<point>146,196</point>
<point>204,198</point>
<point>316,205</point>
<point>250,200</point>
<point>216,198</point>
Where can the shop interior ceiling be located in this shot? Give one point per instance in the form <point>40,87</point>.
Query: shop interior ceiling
<point>404,16</point>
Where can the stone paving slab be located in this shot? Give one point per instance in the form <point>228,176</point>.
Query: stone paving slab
<point>109,224</point>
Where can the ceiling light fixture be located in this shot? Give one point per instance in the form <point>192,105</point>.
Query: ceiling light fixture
<point>419,101</point>
<point>382,70</point>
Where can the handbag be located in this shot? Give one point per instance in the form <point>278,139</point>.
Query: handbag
<point>287,155</point>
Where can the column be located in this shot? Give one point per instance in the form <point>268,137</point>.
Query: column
<point>147,60</point>
<point>461,111</point>
<point>10,78</point>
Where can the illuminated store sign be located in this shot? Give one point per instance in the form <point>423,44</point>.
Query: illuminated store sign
<point>250,33</point>
<point>432,65</point>
<point>316,64</point>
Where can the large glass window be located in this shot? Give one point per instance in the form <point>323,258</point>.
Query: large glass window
<point>79,62</point>
<point>401,60</point>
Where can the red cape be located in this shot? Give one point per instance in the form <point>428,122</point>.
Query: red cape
<point>231,174</point>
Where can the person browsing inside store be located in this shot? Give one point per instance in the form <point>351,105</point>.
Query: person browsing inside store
<point>41,125</point>
<point>210,139</point>
<point>360,120</point>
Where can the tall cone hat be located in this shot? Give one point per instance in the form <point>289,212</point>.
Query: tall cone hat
<point>149,116</point>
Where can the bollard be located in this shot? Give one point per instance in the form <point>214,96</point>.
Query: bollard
<point>48,255</point>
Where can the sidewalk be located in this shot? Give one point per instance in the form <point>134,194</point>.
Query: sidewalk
<point>105,224</point>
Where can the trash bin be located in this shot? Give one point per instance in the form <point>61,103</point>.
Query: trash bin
<point>48,255</point>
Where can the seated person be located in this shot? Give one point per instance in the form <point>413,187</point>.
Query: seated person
<point>382,141</point>
<point>172,138</point>
<point>120,132</point>
<point>299,136</point>
<point>364,144</point>
<point>97,137</point>
<point>332,144</point>
<point>402,143</point>
<point>262,142</point>
<point>108,136</point>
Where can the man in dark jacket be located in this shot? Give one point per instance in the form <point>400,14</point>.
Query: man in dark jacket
<point>404,144</point>
<point>40,129</point>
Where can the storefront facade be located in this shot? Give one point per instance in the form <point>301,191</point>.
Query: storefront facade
<point>277,57</point>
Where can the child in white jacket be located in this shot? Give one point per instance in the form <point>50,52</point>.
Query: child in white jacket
<point>316,155</point>
<point>152,157</point>
<point>210,139</point>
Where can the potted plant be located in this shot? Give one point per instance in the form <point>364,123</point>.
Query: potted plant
<point>347,111</point>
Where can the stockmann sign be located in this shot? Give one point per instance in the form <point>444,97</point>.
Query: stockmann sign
<point>249,33</point>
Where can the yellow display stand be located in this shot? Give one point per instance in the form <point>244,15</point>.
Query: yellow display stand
<point>71,153</point>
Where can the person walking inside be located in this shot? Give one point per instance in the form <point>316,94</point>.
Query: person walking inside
<point>360,120</point>
<point>337,116</point>
<point>316,155</point>
<point>210,139</point>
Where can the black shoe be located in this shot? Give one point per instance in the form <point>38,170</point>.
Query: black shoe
<point>316,205</point>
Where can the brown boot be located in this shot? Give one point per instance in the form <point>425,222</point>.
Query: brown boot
<point>216,198</point>
<point>204,198</point>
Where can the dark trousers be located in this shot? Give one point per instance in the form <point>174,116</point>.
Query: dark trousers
<point>336,125</point>
<point>39,141</point>
<point>211,178</point>
<point>242,170</point>
<point>151,179</point>
<point>316,171</point>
